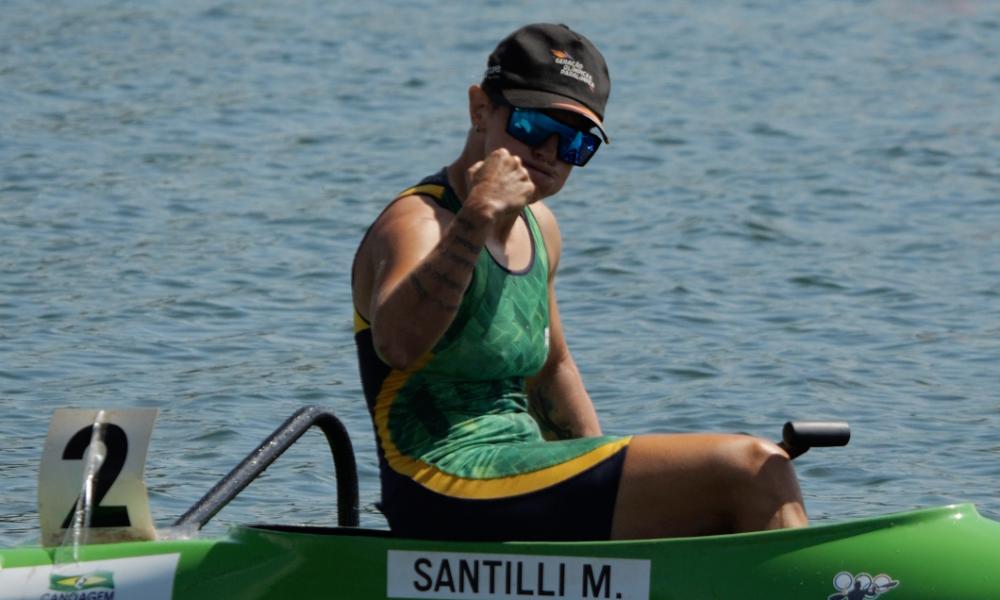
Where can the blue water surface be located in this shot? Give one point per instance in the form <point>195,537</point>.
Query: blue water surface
<point>798,217</point>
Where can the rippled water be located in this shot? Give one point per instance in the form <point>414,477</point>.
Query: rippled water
<point>798,217</point>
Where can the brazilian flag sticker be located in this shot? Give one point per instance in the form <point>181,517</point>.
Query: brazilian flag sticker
<point>86,581</point>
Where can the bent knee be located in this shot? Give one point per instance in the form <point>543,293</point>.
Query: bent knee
<point>764,463</point>
<point>774,498</point>
<point>763,451</point>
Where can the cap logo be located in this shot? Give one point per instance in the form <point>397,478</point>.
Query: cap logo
<point>572,68</point>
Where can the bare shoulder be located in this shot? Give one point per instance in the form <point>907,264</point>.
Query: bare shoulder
<point>415,215</point>
<point>550,233</point>
<point>404,233</point>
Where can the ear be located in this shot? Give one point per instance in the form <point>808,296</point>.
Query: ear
<point>479,107</point>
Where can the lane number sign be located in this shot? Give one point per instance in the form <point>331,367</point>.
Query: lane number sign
<point>100,454</point>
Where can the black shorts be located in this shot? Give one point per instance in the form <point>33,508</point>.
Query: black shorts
<point>579,508</point>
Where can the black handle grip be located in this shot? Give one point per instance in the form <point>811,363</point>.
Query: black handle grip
<point>799,436</point>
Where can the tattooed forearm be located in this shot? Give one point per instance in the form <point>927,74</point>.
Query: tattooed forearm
<point>540,406</point>
<point>470,246</point>
<point>425,296</point>
<point>441,278</point>
<point>457,258</point>
<point>465,223</point>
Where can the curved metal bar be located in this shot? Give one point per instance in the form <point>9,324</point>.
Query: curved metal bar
<point>270,449</point>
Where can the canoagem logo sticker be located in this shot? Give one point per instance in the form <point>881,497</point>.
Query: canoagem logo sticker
<point>861,587</point>
<point>134,578</point>
<point>82,587</point>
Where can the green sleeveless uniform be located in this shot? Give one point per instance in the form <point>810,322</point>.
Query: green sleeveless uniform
<point>457,421</point>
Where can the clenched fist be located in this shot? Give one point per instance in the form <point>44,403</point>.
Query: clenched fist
<point>499,185</point>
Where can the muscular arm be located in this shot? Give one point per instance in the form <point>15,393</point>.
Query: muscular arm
<point>422,261</point>
<point>556,395</point>
<point>413,269</point>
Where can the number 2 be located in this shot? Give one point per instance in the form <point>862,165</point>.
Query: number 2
<point>117,449</point>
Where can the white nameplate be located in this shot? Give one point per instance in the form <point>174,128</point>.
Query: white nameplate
<point>474,576</point>
<point>140,578</point>
<point>120,508</point>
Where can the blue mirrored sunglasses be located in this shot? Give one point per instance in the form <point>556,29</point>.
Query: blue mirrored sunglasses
<point>534,127</point>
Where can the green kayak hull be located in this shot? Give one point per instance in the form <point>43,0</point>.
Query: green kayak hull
<point>947,552</point>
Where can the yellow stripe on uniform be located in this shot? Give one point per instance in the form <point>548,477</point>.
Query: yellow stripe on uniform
<point>359,322</point>
<point>502,487</point>
<point>431,190</point>
<point>461,487</point>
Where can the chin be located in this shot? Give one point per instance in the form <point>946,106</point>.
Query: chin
<point>546,186</point>
<point>548,193</point>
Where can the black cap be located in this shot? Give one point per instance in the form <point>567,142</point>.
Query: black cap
<point>550,66</point>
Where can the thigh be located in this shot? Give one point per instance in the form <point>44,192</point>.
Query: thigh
<point>703,484</point>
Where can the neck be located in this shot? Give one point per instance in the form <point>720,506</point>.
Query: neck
<point>456,171</point>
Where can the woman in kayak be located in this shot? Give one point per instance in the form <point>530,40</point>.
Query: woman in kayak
<point>483,425</point>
